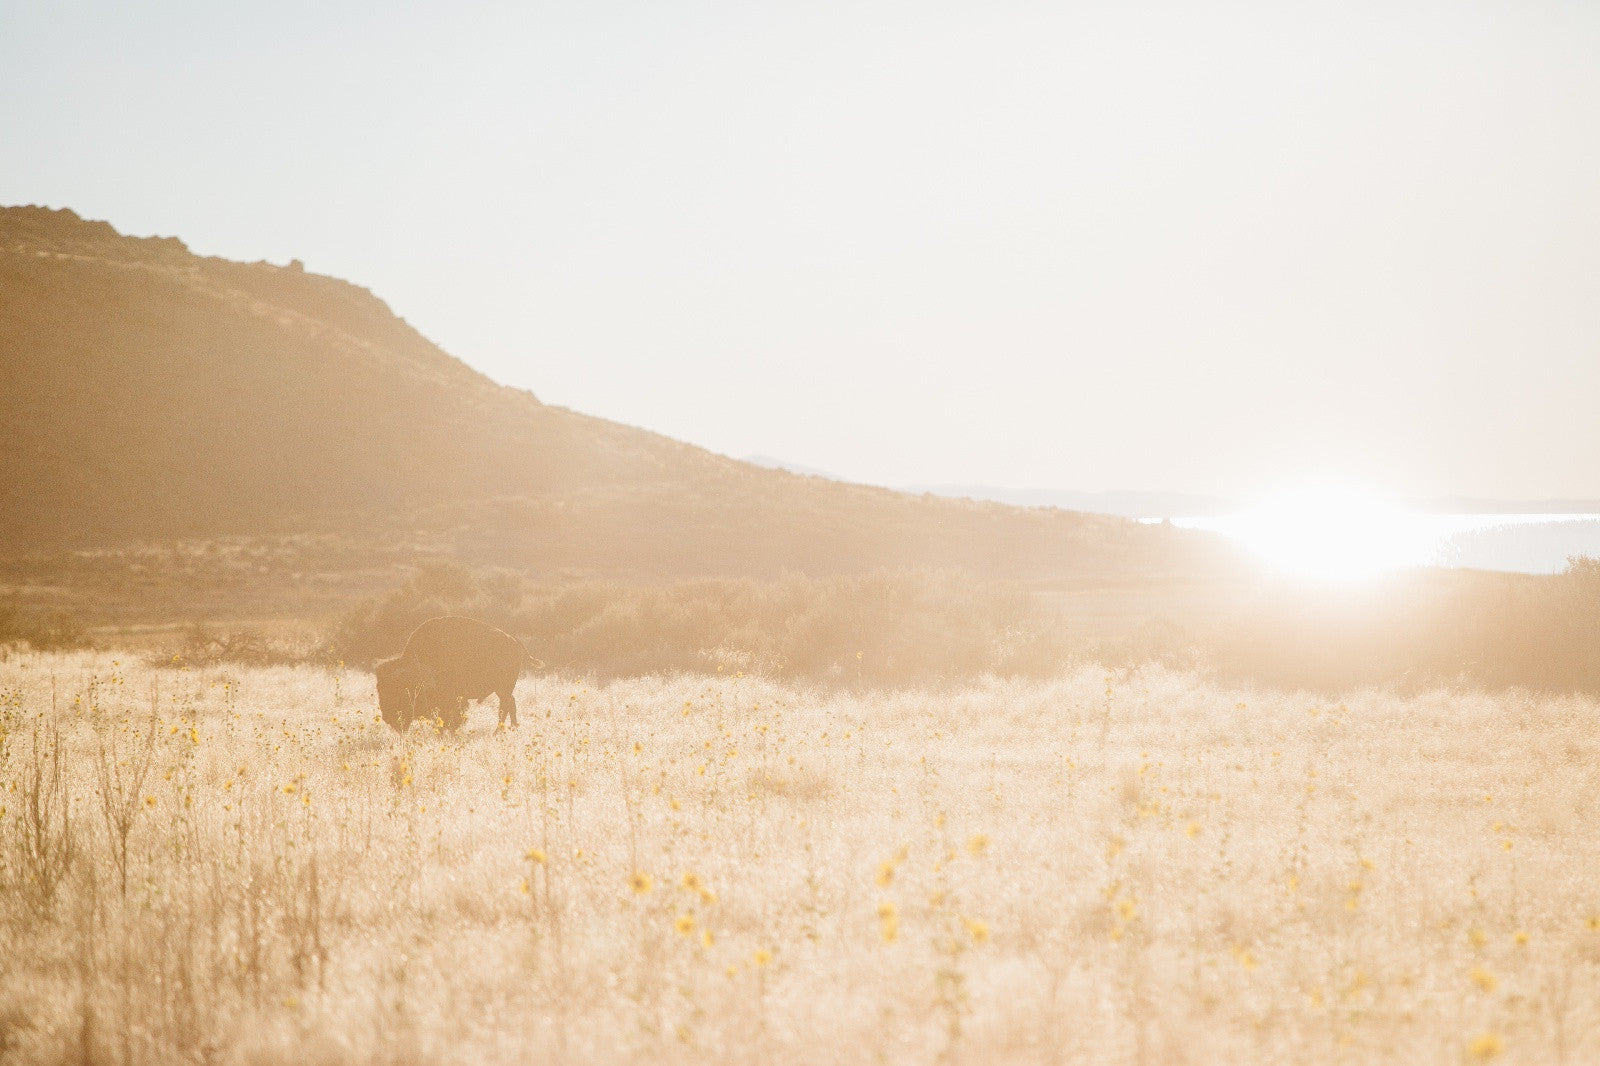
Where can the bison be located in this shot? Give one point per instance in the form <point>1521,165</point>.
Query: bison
<point>446,662</point>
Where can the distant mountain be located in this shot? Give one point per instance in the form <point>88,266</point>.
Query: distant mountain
<point>147,393</point>
<point>1483,505</point>
<point>1142,505</point>
<point>1151,505</point>
<point>1127,504</point>
<point>794,468</point>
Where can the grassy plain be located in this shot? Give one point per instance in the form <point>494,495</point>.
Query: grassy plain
<point>241,865</point>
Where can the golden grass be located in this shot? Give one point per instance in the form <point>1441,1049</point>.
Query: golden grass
<point>1141,868</point>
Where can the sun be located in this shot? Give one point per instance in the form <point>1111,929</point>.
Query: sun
<point>1331,533</point>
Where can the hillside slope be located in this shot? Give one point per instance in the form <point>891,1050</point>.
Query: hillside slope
<point>147,393</point>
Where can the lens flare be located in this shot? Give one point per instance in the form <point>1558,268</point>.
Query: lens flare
<point>1329,533</point>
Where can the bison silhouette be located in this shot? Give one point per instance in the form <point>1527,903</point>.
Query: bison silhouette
<point>446,662</point>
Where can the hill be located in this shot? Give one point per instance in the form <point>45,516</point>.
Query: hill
<point>188,441</point>
<point>149,391</point>
<point>148,394</point>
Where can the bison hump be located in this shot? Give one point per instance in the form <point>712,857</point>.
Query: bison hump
<point>455,640</point>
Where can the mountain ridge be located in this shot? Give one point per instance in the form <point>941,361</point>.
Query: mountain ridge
<point>147,393</point>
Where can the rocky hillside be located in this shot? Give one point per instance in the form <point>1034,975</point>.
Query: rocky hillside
<point>148,394</point>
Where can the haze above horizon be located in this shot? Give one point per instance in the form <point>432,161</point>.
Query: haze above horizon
<point>1117,246</point>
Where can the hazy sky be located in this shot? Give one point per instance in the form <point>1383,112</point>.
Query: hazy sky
<point>1209,247</point>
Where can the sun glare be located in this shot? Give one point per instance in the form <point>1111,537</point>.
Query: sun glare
<point>1331,533</point>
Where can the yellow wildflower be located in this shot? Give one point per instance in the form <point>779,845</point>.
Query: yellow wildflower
<point>1485,1046</point>
<point>888,921</point>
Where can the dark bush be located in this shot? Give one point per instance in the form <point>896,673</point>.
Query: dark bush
<point>205,645</point>
<point>55,629</point>
<point>1539,632</point>
<point>881,628</point>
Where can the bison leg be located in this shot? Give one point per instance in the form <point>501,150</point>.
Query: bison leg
<point>508,705</point>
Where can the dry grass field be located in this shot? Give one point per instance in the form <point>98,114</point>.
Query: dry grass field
<point>243,865</point>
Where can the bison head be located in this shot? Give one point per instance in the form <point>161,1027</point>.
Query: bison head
<point>402,690</point>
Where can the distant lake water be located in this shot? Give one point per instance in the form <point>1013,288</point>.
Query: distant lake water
<point>1523,543</point>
